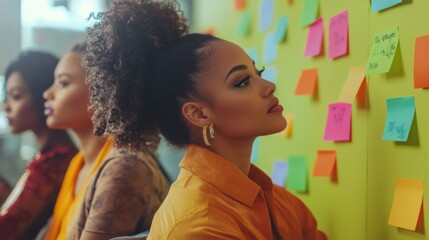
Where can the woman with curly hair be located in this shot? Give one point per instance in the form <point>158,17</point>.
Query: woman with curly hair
<point>31,203</point>
<point>106,193</point>
<point>147,74</point>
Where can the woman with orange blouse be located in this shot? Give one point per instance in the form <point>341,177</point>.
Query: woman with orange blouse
<point>201,92</point>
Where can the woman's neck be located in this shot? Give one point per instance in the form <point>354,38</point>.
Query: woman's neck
<point>89,144</point>
<point>237,151</point>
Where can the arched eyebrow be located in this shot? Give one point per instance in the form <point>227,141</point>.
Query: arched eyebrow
<point>237,68</point>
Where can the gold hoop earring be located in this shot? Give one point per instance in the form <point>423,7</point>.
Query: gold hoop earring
<point>208,139</point>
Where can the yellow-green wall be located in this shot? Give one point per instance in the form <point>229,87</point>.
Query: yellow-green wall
<point>357,207</point>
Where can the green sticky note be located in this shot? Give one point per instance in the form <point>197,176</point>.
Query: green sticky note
<point>400,115</point>
<point>244,25</point>
<point>297,174</point>
<point>281,29</point>
<point>383,51</point>
<point>309,12</point>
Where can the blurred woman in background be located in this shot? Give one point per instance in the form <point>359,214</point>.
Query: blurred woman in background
<point>106,193</point>
<point>32,200</point>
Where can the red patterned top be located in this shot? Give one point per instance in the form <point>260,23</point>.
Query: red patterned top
<point>31,202</point>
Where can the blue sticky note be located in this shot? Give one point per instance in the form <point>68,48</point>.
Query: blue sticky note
<point>253,54</point>
<point>280,169</point>
<point>400,115</point>
<point>255,151</point>
<point>377,5</point>
<point>266,14</point>
<point>281,29</point>
<point>270,48</point>
<point>270,74</point>
<point>297,174</point>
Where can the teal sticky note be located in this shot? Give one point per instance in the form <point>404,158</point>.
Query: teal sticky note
<point>270,49</point>
<point>281,29</point>
<point>309,12</point>
<point>297,174</point>
<point>253,54</point>
<point>280,170</point>
<point>270,74</point>
<point>266,14</point>
<point>400,115</point>
<point>377,5</point>
<point>244,25</point>
<point>255,151</point>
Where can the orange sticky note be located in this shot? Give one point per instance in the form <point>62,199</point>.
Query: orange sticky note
<point>325,164</point>
<point>307,83</point>
<point>239,5</point>
<point>421,59</point>
<point>352,84</point>
<point>407,203</point>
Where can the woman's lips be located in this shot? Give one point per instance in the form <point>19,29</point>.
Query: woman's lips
<point>48,111</point>
<point>275,106</point>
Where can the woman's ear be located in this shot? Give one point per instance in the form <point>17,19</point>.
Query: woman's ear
<point>196,113</point>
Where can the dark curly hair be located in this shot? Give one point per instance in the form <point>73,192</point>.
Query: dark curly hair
<point>142,65</point>
<point>37,70</point>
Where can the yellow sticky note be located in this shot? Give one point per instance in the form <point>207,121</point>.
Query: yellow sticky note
<point>407,203</point>
<point>352,84</point>
<point>287,132</point>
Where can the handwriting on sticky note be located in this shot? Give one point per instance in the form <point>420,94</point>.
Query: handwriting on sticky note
<point>400,115</point>
<point>338,35</point>
<point>383,51</point>
<point>338,123</point>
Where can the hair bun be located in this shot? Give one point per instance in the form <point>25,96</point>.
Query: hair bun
<point>120,50</point>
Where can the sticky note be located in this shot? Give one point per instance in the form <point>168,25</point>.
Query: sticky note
<point>307,83</point>
<point>309,12</point>
<point>244,25</point>
<point>314,39</point>
<point>400,115</point>
<point>407,202</point>
<point>383,51</point>
<point>338,35</point>
<point>325,164</point>
<point>281,29</point>
<point>270,74</point>
<point>421,59</point>
<point>266,15</point>
<point>239,4</point>
<point>255,151</point>
<point>287,132</point>
<point>253,54</point>
<point>352,84</point>
<point>338,123</point>
<point>377,5</point>
<point>297,174</point>
<point>280,170</point>
<point>270,48</point>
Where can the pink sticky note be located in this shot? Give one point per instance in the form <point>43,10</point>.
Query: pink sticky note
<point>338,35</point>
<point>338,122</point>
<point>314,39</point>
